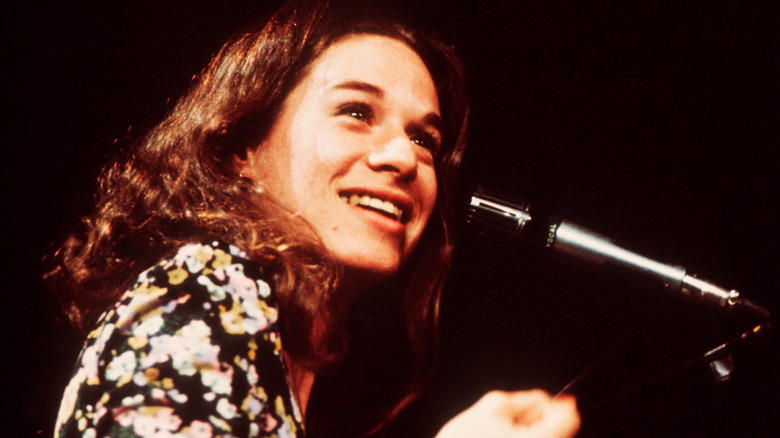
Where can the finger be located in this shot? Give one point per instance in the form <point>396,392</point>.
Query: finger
<point>560,417</point>
<point>524,407</point>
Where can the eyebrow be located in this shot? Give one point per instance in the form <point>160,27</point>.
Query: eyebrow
<point>360,86</point>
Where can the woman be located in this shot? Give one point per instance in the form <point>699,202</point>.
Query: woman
<point>292,208</point>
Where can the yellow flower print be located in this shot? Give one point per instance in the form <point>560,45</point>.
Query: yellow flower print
<point>151,374</point>
<point>273,338</point>
<point>204,253</point>
<point>232,320</point>
<point>144,298</point>
<point>152,342</point>
<point>252,350</point>
<point>177,276</point>
<point>138,342</point>
<point>220,423</point>
<point>221,259</point>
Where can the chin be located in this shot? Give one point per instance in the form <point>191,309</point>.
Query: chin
<point>379,270</point>
<point>372,269</point>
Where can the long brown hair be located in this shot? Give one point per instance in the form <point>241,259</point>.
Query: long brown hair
<point>178,185</point>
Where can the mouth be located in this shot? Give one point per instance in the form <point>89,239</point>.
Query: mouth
<point>384,207</point>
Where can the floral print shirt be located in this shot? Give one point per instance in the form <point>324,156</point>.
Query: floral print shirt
<point>191,350</point>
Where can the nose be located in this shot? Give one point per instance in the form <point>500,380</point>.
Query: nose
<point>396,155</point>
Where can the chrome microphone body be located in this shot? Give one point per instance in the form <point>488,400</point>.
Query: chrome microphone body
<point>510,221</point>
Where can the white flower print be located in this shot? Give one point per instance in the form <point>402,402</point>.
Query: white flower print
<point>177,396</point>
<point>218,381</point>
<point>196,330</point>
<point>194,256</point>
<point>162,347</point>
<point>155,421</point>
<point>252,325</point>
<point>148,326</point>
<point>200,429</point>
<point>263,289</point>
<point>253,405</point>
<point>126,417</point>
<point>217,293</point>
<point>122,367</point>
<point>239,284</point>
<point>226,409</point>
<point>166,355</point>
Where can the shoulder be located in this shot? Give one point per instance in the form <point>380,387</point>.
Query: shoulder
<point>204,278</point>
<point>195,338</point>
<point>204,264</point>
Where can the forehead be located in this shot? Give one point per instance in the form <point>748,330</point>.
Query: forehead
<point>385,62</point>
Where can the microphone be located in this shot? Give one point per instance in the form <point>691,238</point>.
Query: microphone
<point>512,222</point>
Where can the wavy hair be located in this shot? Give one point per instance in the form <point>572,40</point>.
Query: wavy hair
<point>178,185</point>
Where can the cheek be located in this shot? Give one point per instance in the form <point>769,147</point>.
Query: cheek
<point>432,186</point>
<point>429,189</point>
<point>313,159</point>
<point>332,145</point>
<point>426,193</point>
<point>332,156</point>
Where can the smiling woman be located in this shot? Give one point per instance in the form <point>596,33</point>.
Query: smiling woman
<point>317,154</point>
<point>296,201</point>
<point>357,128</point>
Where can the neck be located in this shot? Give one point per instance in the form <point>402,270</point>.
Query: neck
<point>302,381</point>
<point>353,283</point>
<point>302,374</point>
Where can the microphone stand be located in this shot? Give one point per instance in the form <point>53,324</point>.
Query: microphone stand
<point>720,361</point>
<point>512,223</point>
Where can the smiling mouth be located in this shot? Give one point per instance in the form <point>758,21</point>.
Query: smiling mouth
<point>381,206</point>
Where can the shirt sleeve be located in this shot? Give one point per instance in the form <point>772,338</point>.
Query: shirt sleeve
<point>191,350</point>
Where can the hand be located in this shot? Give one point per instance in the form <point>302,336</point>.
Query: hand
<point>500,414</point>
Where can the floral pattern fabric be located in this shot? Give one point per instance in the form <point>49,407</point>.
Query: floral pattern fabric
<point>191,350</point>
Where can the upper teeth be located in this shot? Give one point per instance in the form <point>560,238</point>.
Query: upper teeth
<point>375,203</point>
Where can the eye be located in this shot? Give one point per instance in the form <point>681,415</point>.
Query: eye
<point>426,140</point>
<point>357,110</point>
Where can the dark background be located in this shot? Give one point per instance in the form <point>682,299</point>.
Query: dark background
<point>653,123</point>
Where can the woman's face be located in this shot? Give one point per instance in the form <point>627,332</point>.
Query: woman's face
<point>352,152</point>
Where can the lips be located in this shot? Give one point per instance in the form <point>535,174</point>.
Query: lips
<point>392,209</point>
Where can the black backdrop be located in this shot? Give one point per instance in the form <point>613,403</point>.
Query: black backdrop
<point>653,123</point>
